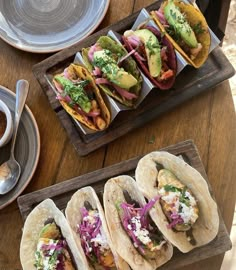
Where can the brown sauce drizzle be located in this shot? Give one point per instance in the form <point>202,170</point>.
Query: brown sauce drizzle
<point>129,199</point>
<point>158,166</point>
<point>49,221</point>
<point>88,205</point>
<point>190,237</point>
<point>3,123</point>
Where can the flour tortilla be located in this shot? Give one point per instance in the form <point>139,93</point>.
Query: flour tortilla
<point>206,227</point>
<point>32,228</point>
<point>74,217</point>
<point>113,194</point>
<point>193,16</point>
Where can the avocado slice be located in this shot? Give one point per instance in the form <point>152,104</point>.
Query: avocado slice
<point>177,20</point>
<point>114,73</point>
<point>50,231</point>
<point>153,50</point>
<point>76,92</point>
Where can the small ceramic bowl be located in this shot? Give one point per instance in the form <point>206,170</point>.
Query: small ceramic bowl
<point>5,138</point>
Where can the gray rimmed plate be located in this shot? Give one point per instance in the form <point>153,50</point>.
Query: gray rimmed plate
<point>44,26</point>
<point>27,147</point>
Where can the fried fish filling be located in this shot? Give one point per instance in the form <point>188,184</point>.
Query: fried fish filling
<point>52,250</point>
<point>178,202</point>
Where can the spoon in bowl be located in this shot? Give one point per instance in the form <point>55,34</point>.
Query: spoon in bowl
<point>10,170</point>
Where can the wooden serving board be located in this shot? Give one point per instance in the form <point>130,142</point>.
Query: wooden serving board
<point>62,192</point>
<point>190,82</point>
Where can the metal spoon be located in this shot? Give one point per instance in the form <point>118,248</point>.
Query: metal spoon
<point>10,170</point>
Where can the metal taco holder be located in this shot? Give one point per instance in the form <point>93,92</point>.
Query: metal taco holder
<point>114,106</point>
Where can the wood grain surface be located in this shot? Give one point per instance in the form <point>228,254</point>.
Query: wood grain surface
<point>209,119</point>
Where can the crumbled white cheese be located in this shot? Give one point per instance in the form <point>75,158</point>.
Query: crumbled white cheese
<point>44,260</point>
<point>141,233</point>
<point>100,240</point>
<point>191,198</point>
<point>162,192</point>
<point>169,197</point>
<point>92,214</point>
<point>185,213</point>
<point>188,214</point>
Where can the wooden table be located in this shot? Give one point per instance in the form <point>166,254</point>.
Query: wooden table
<point>208,119</point>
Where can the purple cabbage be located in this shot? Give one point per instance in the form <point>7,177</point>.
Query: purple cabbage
<point>129,212</point>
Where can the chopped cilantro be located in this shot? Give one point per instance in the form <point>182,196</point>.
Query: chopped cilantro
<point>38,260</point>
<point>76,92</point>
<point>117,206</point>
<point>93,258</point>
<point>183,198</point>
<point>152,139</point>
<point>102,60</point>
<point>54,257</point>
<point>173,14</point>
<point>107,52</point>
<point>173,32</point>
<point>172,188</point>
<point>151,46</point>
<point>197,28</point>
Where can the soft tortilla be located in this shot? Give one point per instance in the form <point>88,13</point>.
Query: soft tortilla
<point>113,194</point>
<point>193,16</point>
<point>32,227</point>
<point>206,227</point>
<point>73,215</point>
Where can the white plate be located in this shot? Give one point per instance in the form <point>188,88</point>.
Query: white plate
<point>43,26</point>
<point>27,147</point>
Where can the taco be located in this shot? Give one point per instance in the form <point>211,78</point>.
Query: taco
<point>47,241</point>
<point>116,73</point>
<point>81,98</point>
<point>185,26</point>
<point>154,53</point>
<point>134,234</point>
<point>188,214</point>
<point>86,218</point>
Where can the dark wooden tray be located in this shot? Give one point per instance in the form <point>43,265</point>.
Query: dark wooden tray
<point>189,83</point>
<point>62,192</point>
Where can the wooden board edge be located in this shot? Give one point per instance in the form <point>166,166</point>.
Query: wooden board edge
<point>26,201</point>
